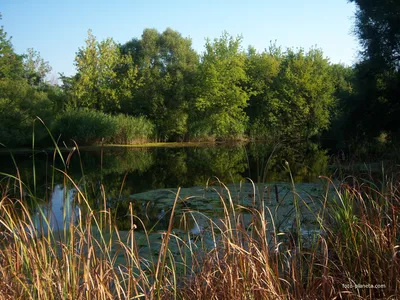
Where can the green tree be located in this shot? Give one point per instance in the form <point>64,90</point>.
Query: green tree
<point>342,114</point>
<point>221,96</point>
<point>67,99</point>
<point>12,88</point>
<point>36,71</point>
<point>377,74</point>
<point>292,93</point>
<point>35,68</point>
<point>303,97</point>
<point>166,68</point>
<point>20,102</point>
<point>105,77</point>
<point>378,29</point>
<point>262,70</point>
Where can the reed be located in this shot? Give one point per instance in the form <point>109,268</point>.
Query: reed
<point>242,254</point>
<point>89,127</point>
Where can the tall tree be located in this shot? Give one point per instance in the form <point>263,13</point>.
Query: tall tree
<point>20,102</point>
<point>303,95</point>
<point>378,29</point>
<point>105,77</point>
<point>342,124</point>
<point>166,67</point>
<point>262,70</point>
<point>377,75</point>
<point>219,107</point>
<point>35,67</point>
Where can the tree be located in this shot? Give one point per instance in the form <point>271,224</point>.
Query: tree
<point>166,68</point>
<point>105,77</point>
<point>20,102</point>
<point>262,70</point>
<point>35,68</point>
<point>302,96</point>
<point>378,74</point>
<point>378,29</point>
<point>342,127</point>
<point>12,88</point>
<point>219,107</point>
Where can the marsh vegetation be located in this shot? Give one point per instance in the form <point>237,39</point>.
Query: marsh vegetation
<point>291,192</point>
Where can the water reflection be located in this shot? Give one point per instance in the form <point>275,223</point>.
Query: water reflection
<point>59,212</point>
<point>123,172</point>
<point>306,161</point>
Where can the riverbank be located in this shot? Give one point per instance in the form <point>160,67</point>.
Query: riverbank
<point>113,146</point>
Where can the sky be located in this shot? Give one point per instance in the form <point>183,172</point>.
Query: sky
<point>57,29</point>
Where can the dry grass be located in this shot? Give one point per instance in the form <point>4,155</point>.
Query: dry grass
<point>358,243</point>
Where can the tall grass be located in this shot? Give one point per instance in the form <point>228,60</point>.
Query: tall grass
<point>88,127</point>
<point>240,255</point>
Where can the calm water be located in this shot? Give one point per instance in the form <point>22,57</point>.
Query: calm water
<point>127,172</point>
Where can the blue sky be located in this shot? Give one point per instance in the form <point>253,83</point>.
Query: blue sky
<point>58,28</point>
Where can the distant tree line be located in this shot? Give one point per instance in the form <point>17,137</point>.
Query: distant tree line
<point>224,93</point>
<point>227,92</point>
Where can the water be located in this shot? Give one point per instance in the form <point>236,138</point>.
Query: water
<point>148,177</point>
<point>59,212</point>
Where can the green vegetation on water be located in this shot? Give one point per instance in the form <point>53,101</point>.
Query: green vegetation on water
<point>252,240</point>
<point>109,224</point>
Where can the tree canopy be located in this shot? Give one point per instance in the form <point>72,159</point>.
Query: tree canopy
<point>376,107</point>
<point>21,100</point>
<point>221,94</point>
<point>166,70</point>
<point>158,81</point>
<point>105,77</point>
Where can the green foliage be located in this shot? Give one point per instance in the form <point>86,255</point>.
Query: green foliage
<point>131,130</point>
<point>292,93</point>
<point>10,63</point>
<point>20,102</point>
<point>35,67</point>
<point>226,94</point>
<point>105,77</point>
<point>88,127</point>
<point>166,71</point>
<point>301,106</point>
<point>378,29</point>
<point>17,117</point>
<point>375,108</point>
<point>84,126</point>
<point>342,127</point>
<point>262,70</point>
<point>221,97</point>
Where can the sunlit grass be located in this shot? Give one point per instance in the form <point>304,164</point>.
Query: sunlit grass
<point>242,254</point>
<point>230,258</point>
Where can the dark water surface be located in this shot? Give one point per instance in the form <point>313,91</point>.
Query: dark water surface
<point>124,172</point>
<point>153,168</point>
